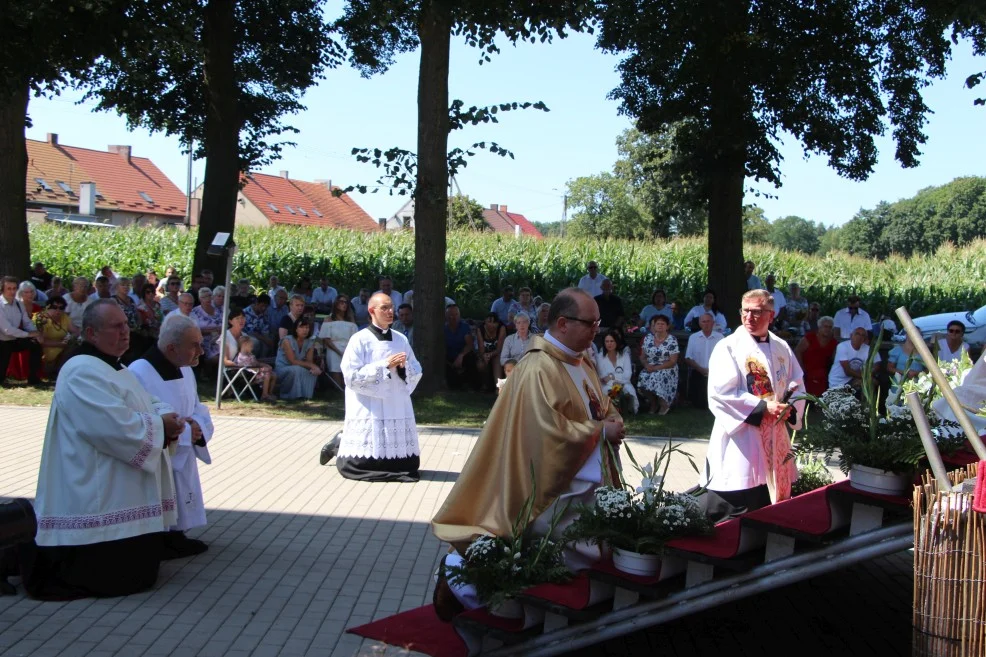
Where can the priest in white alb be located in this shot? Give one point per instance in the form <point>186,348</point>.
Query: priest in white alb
<point>105,488</point>
<point>165,371</point>
<point>379,438</point>
<point>753,375</point>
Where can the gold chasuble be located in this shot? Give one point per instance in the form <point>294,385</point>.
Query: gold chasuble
<point>539,419</point>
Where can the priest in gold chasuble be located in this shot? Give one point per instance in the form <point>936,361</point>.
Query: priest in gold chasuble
<point>551,415</point>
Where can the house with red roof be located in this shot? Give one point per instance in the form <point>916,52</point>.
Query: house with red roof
<point>267,200</point>
<point>496,217</point>
<point>81,185</point>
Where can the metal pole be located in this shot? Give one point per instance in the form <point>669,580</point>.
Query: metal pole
<point>930,446</point>
<point>222,333</point>
<point>188,196</point>
<point>942,381</point>
<point>775,574</point>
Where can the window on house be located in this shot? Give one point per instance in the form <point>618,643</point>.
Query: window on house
<point>273,207</point>
<point>317,213</point>
<point>146,197</point>
<point>302,212</point>
<point>65,187</point>
<point>288,208</point>
<point>44,185</point>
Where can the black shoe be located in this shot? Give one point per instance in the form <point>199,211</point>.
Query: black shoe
<point>329,450</point>
<point>175,545</point>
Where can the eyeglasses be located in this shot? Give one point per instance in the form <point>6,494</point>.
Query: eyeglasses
<point>593,323</point>
<point>755,313</point>
<point>592,267</point>
<point>956,331</point>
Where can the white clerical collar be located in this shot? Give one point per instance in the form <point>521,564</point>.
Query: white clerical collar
<point>553,340</point>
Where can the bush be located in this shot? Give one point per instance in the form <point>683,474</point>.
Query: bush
<point>477,264</point>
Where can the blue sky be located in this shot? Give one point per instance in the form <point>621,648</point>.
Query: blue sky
<point>576,138</point>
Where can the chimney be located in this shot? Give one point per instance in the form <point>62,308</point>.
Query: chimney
<point>503,208</point>
<point>383,223</point>
<point>87,199</point>
<point>284,174</point>
<point>494,207</point>
<point>122,151</point>
<point>324,181</point>
<point>53,138</point>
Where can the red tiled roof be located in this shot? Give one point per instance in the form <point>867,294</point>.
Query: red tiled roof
<point>502,221</point>
<point>118,182</point>
<point>263,190</point>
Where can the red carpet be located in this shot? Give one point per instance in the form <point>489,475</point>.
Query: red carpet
<point>808,513</point>
<point>419,630</point>
<point>722,545</point>
<point>573,594</point>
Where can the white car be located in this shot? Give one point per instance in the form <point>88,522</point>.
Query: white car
<point>974,320</point>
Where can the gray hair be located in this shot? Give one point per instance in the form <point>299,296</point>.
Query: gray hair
<point>92,317</point>
<point>543,306</point>
<point>826,318</point>
<point>173,328</point>
<point>522,315</point>
<point>218,290</point>
<point>206,291</point>
<point>26,285</point>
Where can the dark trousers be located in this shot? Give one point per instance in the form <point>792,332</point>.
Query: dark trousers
<point>467,377</point>
<point>17,345</point>
<point>698,389</point>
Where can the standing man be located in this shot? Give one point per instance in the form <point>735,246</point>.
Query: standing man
<point>697,355</point>
<point>850,318</point>
<point>592,282</point>
<point>380,438</point>
<point>501,305</point>
<point>751,373</point>
<point>780,303</point>
<point>610,307</point>
<point>324,296</point>
<point>552,416</point>
<point>752,280</point>
<point>40,277</point>
<point>387,287</point>
<point>165,372</point>
<point>105,488</point>
<point>275,287</point>
<point>17,333</point>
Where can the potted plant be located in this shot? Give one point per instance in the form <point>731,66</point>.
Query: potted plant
<point>880,451</point>
<point>638,522</point>
<point>500,567</point>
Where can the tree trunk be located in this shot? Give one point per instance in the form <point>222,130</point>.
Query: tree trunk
<point>222,135</point>
<point>431,194</point>
<point>727,107</point>
<point>15,248</point>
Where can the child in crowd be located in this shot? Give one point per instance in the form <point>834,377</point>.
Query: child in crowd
<point>265,373</point>
<point>508,367</point>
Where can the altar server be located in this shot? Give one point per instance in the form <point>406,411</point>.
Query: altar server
<point>379,438</point>
<point>105,489</point>
<point>165,371</point>
<point>752,373</point>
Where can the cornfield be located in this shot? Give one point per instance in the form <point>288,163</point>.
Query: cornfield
<point>478,264</point>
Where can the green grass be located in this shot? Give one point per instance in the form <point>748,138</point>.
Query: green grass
<point>451,409</point>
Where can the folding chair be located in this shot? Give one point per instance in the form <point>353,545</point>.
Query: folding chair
<point>240,381</point>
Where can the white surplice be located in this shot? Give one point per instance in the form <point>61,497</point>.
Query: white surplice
<point>379,417</point>
<point>104,474</point>
<point>742,374</point>
<point>182,395</point>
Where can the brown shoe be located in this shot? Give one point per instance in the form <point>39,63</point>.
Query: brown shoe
<point>447,606</point>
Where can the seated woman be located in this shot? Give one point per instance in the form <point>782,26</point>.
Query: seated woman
<point>540,325</point>
<point>708,305</point>
<point>209,318</point>
<point>659,355</point>
<point>514,346</point>
<point>57,333</point>
<point>264,373</point>
<point>490,337</point>
<point>658,305</point>
<point>815,352</point>
<point>295,365</point>
<point>335,333</point>
<point>19,365</point>
<point>614,366</point>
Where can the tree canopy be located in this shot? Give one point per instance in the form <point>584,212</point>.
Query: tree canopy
<point>465,212</point>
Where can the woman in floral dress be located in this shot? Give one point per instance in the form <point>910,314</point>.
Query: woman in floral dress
<point>659,356</point>
<point>209,317</point>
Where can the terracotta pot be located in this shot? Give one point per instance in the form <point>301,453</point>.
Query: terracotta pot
<point>872,480</point>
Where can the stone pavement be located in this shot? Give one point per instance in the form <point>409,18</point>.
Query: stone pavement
<point>298,554</point>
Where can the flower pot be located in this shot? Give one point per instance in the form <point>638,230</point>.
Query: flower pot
<point>872,480</point>
<point>512,609</point>
<point>634,563</point>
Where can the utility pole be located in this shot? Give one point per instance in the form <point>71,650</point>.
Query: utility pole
<point>188,188</point>
<point>564,212</point>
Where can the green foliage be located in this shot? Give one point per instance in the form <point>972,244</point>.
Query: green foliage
<point>756,228</point>
<point>795,234</point>
<point>812,474</point>
<point>604,206</point>
<point>550,228</point>
<point>953,213</point>
<point>478,264</point>
<point>466,213</point>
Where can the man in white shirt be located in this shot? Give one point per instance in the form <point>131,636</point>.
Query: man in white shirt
<point>779,301</point>
<point>697,356</point>
<point>752,281</point>
<point>387,287</point>
<point>850,318</point>
<point>951,347</point>
<point>501,305</point>
<point>324,296</point>
<point>592,282</point>
<point>274,287</point>
<point>361,310</point>
<point>17,333</point>
<point>850,357</point>
<point>102,285</point>
<point>105,487</point>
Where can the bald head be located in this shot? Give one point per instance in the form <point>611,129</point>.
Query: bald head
<point>381,309</point>
<point>574,318</point>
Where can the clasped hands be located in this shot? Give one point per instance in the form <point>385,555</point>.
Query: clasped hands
<point>614,431</point>
<point>174,426</point>
<point>397,360</point>
<point>778,410</point>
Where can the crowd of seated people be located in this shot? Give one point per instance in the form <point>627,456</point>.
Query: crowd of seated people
<point>297,331</point>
